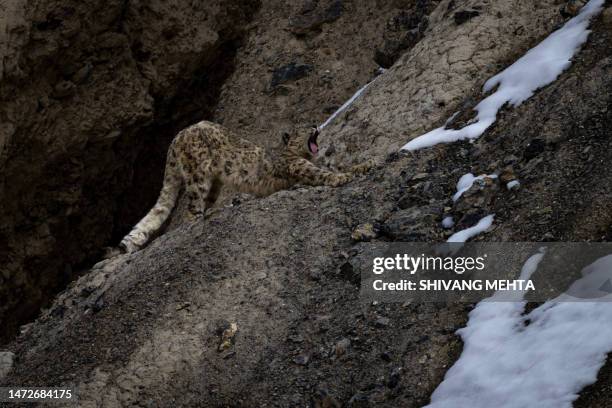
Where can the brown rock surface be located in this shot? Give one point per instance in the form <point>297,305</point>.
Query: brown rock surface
<point>86,89</point>
<point>440,75</point>
<point>144,328</point>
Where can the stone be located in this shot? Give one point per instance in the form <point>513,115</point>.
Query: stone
<point>385,356</point>
<point>403,32</point>
<point>382,322</point>
<point>572,8</point>
<point>302,359</point>
<point>82,74</point>
<point>359,400</point>
<point>394,378</point>
<point>312,17</point>
<point>510,159</point>
<point>6,363</point>
<point>411,199</point>
<point>63,89</point>
<point>464,16</point>
<point>420,176</point>
<point>228,337</point>
<point>412,224</point>
<point>341,347</point>
<point>507,175</point>
<point>349,273</point>
<point>323,399</point>
<point>290,72</point>
<point>364,232</point>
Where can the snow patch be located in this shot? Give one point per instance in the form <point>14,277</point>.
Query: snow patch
<point>514,184</point>
<point>537,68</point>
<point>352,99</point>
<point>481,226</point>
<point>467,180</point>
<point>541,359</point>
<point>448,222</point>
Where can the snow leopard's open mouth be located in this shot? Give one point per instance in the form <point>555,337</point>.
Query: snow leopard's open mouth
<point>313,147</point>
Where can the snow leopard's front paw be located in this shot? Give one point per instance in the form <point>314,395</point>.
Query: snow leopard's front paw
<point>362,168</point>
<point>339,179</point>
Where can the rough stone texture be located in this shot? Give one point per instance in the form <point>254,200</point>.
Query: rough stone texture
<point>85,88</point>
<point>104,86</point>
<point>6,363</point>
<point>146,327</point>
<point>338,52</point>
<point>403,31</point>
<point>440,75</point>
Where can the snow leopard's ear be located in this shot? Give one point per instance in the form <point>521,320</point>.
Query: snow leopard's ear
<point>286,137</point>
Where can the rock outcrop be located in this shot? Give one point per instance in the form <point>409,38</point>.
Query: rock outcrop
<point>88,96</point>
<point>280,273</point>
<point>440,75</point>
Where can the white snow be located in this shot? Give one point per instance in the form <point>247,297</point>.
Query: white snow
<point>509,364</point>
<point>452,117</point>
<point>466,181</point>
<point>351,100</point>
<point>513,184</point>
<point>537,68</point>
<point>448,222</point>
<point>481,226</point>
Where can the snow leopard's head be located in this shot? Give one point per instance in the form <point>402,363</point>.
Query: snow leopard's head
<point>302,142</point>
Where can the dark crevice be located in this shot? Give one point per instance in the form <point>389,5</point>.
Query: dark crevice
<point>122,186</point>
<point>194,102</point>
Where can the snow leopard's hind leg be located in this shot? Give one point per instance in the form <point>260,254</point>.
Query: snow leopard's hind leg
<point>197,191</point>
<point>160,212</point>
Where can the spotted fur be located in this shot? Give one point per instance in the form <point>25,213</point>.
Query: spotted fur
<point>203,158</point>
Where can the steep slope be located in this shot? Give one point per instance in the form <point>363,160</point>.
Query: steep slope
<point>302,60</point>
<point>88,89</point>
<point>441,75</point>
<point>93,92</point>
<point>147,327</point>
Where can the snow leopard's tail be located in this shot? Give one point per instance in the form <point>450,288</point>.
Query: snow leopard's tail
<point>160,212</point>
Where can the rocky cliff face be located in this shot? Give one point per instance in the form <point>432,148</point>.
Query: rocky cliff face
<point>88,91</point>
<point>157,325</point>
<point>304,59</point>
